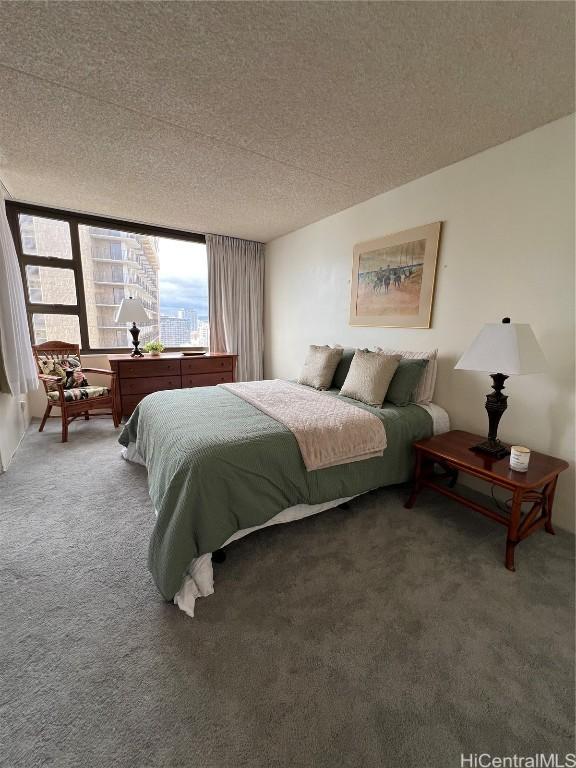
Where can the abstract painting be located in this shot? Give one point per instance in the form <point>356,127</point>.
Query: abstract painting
<point>393,279</point>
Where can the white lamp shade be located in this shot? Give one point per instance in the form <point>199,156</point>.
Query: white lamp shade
<point>132,311</point>
<point>509,348</point>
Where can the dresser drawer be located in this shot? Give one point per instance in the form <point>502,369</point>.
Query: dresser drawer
<point>207,379</point>
<point>207,365</point>
<point>129,402</point>
<point>140,368</point>
<point>145,386</point>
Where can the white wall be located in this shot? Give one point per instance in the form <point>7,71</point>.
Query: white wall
<point>14,420</point>
<point>507,249</point>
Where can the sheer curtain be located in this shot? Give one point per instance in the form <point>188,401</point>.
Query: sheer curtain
<point>18,362</point>
<point>236,302</point>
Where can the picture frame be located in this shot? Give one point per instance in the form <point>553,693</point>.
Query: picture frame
<point>393,279</point>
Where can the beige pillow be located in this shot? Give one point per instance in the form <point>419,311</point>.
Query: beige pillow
<point>425,390</point>
<point>369,377</point>
<point>319,366</point>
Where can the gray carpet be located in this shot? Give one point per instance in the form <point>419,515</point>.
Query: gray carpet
<point>371,636</point>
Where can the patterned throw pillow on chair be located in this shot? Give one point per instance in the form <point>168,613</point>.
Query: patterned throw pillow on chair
<point>61,366</point>
<point>75,378</point>
<point>51,367</point>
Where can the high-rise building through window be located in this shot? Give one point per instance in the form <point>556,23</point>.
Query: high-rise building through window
<point>117,265</point>
<point>175,331</point>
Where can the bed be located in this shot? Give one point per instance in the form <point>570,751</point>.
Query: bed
<point>219,468</point>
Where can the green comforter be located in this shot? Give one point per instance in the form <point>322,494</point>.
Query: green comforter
<point>217,464</point>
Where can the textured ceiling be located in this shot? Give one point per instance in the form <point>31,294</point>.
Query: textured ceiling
<point>254,119</point>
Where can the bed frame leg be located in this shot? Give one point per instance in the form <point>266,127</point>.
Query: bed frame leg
<point>218,556</point>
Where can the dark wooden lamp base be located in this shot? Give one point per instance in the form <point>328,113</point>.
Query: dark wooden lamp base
<point>493,448</point>
<point>135,332</point>
<point>496,404</point>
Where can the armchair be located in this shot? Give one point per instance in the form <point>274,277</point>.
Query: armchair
<point>66,387</point>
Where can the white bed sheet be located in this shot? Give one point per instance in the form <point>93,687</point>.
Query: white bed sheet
<point>199,578</point>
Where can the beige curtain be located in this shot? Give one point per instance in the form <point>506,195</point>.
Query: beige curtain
<point>236,302</point>
<point>4,385</point>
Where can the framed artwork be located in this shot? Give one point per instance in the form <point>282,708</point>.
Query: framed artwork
<point>393,279</point>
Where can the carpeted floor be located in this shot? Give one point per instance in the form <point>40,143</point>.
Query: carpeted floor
<point>365,637</point>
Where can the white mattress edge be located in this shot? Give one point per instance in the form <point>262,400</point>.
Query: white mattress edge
<point>440,418</point>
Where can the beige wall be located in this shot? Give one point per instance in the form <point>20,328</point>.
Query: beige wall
<point>507,249</point>
<point>13,422</point>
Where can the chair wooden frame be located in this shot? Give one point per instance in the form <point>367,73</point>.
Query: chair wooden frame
<point>72,409</point>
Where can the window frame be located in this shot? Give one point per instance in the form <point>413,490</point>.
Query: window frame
<point>74,220</point>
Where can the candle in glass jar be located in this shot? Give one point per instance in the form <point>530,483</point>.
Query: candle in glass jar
<point>519,458</point>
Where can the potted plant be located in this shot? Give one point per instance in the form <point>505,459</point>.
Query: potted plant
<point>154,348</point>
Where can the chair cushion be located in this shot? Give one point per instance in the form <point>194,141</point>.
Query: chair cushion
<point>80,393</point>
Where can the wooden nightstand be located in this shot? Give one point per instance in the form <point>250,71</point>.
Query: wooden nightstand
<point>452,452</point>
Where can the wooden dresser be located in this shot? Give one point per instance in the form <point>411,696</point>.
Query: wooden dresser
<point>137,377</point>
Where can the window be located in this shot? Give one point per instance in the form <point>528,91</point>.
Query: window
<point>183,291</point>
<point>50,285</point>
<point>47,238</point>
<point>53,327</point>
<point>76,273</point>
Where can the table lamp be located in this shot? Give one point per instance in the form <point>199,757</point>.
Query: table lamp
<point>132,311</point>
<point>510,349</point>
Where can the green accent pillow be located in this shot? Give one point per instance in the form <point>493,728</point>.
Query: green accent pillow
<point>405,380</point>
<point>342,368</point>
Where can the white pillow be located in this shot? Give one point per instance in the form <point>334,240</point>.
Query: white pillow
<point>319,366</point>
<point>425,390</point>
